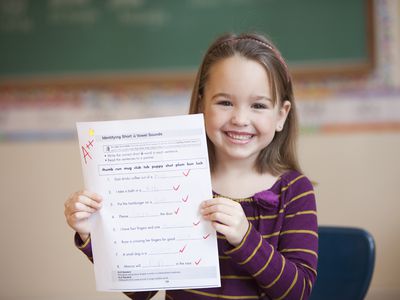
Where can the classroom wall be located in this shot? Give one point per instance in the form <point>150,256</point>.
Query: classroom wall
<point>357,175</point>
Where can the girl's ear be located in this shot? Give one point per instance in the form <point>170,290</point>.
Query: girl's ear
<point>283,113</point>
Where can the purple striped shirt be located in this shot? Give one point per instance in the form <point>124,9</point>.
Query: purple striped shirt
<point>277,258</point>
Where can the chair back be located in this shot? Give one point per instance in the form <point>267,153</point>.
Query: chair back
<point>346,259</point>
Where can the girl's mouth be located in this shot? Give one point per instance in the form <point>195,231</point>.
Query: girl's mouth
<point>240,136</point>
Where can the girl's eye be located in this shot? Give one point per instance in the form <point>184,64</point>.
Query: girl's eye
<point>224,103</point>
<point>259,106</point>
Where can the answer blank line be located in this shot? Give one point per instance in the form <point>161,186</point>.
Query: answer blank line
<point>190,239</point>
<point>173,227</point>
<point>163,253</point>
<point>158,266</point>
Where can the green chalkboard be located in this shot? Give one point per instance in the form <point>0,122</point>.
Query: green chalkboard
<point>75,37</point>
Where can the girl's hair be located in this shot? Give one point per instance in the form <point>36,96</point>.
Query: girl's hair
<point>281,154</point>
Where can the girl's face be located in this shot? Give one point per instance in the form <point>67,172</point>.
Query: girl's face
<point>240,116</point>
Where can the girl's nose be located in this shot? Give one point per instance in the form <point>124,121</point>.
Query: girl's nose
<point>240,117</point>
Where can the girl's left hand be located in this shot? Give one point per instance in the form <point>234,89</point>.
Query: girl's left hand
<point>227,217</point>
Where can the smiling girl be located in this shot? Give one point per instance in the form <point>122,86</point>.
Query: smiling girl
<point>264,208</point>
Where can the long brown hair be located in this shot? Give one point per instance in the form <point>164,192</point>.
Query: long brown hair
<point>281,154</point>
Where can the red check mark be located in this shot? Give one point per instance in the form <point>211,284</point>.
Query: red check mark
<point>206,236</point>
<point>183,249</point>
<point>176,187</point>
<point>196,223</point>
<point>186,174</point>
<point>197,262</point>
<point>185,199</point>
<point>176,211</point>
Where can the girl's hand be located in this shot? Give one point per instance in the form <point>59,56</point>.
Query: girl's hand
<point>77,210</point>
<point>227,217</point>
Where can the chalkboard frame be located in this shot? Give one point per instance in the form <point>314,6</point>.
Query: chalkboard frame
<point>144,79</point>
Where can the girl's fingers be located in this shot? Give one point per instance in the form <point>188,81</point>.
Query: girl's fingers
<point>91,202</point>
<point>218,209</point>
<point>79,206</point>
<point>216,201</point>
<point>83,201</point>
<point>222,228</point>
<point>227,217</point>
<point>91,195</point>
<point>78,216</point>
<point>88,198</point>
<point>222,205</point>
<point>220,217</point>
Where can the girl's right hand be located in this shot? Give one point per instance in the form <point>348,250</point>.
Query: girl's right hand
<point>77,210</point>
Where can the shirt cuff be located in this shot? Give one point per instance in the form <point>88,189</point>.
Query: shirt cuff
<point>84,246</point>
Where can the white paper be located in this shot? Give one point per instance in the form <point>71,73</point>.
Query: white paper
<point>153,174</point>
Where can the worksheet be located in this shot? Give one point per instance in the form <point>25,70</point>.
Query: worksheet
<point>153,175</point>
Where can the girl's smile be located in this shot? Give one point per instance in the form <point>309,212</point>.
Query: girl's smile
<point>239,137</point>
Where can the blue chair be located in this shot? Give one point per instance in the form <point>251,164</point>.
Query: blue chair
<point>346,260</point>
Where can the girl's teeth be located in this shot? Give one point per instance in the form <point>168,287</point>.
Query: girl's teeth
<point>239,136</point>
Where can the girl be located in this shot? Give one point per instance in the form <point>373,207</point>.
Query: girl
<point>263,208</point>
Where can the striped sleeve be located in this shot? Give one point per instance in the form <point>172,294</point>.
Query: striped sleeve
<point>86,248</point>
<point>289,271</point>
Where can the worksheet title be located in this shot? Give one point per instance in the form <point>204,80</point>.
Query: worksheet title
<point>131,136</point>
